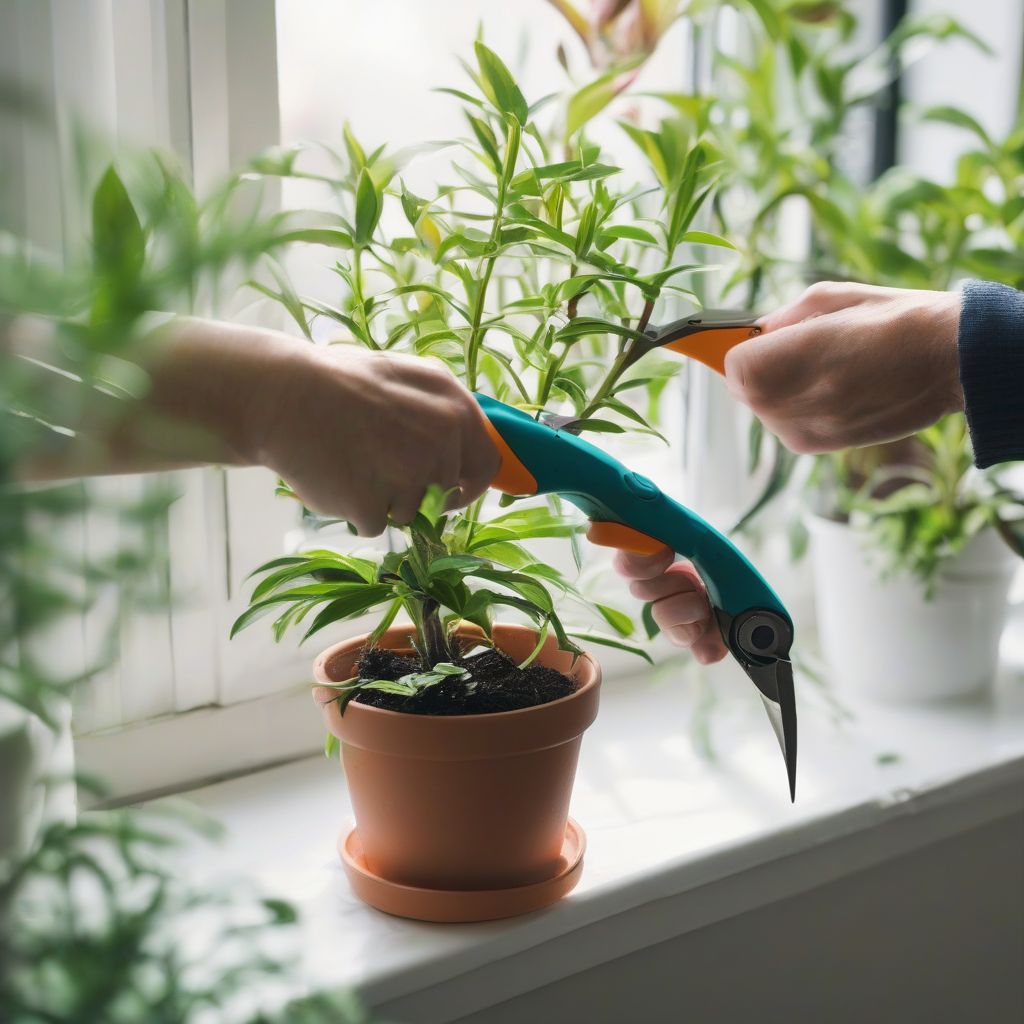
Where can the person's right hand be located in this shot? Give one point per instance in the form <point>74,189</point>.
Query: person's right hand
<point>361,435</point>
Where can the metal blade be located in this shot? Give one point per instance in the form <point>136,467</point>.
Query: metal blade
<point>782,715</point>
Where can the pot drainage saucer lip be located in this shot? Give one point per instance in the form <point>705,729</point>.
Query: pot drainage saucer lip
<point>452,906</point>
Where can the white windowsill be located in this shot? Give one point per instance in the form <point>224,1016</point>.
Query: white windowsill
<point>675,842</point>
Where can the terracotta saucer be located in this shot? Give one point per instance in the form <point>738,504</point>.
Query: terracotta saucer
<point>462,905</point>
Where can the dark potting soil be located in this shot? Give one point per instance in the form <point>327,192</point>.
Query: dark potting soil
<point>501,685</point>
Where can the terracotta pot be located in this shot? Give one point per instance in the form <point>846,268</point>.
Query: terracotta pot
<point>466,802</point>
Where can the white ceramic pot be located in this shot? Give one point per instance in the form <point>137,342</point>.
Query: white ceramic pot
<point>884,638</point>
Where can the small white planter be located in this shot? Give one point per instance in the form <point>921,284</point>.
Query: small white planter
<point>883,638</point>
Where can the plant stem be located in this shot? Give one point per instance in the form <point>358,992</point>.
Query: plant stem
<point>473,342</point>
<point>623,361</point>
<point>504,177</point>
<point>425,613</point>
<point>357,289</point>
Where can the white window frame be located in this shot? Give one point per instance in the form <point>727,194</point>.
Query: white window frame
<point>176,683</point>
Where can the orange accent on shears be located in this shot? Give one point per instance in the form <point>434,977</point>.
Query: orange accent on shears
<point>512,477</point>
<point>710,344</point>
<point>625,538</point>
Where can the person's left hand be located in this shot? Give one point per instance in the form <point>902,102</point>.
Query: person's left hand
<point>680,604</point>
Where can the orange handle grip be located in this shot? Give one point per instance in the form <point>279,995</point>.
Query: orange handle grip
<point>625,538</point>
<point>710,344</point>
<point>513,477</point>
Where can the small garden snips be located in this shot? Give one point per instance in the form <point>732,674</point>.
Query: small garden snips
<point>629,512</point>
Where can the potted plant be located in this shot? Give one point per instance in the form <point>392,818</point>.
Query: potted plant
<point>911,570</point>
<point>532,276</point>
<point>910,575</point>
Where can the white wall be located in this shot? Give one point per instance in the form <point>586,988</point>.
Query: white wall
<point>961,75</point>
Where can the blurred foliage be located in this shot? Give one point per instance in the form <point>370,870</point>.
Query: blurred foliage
<point>95,923</point>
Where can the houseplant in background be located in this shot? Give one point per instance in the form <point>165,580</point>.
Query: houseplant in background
<point>533,277</point>
<point>910,526</point>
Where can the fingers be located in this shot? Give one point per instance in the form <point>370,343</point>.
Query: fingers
<point>643,567</point>
<point>679,601</point>
<point>480,459</point>
<point>823,297</point>
<point>680,578</point>
<point>710,648</point>
<point>767,371</point>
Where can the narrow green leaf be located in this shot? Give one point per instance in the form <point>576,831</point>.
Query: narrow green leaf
<point>591,636</point>
<point>589,101</point>
<point>368,207</point>
<point>499,85</point>
<point>619,621</point>
<point>706,238</point>
<point>352,604</point>
<point>118,241</point>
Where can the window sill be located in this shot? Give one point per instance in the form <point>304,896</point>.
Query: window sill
<point>675,842</point>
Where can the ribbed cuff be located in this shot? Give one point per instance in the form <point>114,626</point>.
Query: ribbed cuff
<point>991,344</point>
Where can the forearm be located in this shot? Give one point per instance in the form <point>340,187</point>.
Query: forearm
<point>991,348</point>
<point>190,395</point>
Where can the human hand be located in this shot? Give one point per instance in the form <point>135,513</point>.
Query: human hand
<point>847,365</point>
<point>361,434</point>
<point>680,604</point>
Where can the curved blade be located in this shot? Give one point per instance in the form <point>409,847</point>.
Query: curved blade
<point>782,715</point>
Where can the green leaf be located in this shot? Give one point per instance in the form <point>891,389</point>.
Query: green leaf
<point>783,464</point>
<point>619,621</point>
<point>355,151</point>
<point>651,628</point>
<point>598,426</point>
<point>706,238</point>
<point>368,207</point>
<point>385,623</point>
<point>958,118</point>
<point>118,241</point>
<point>285,296</point>
<point>630,231</point>
<point>592,636</point>
<point>432,506</point>
<point>457,563</point>
<point>333,237</point>
<point>352,604</point>
<point>589,101</point>
<point>584,325</point>
<point>392,686</point>
<point>531,589</point>
<point>499,85</point>
<point>488,143</point>
<point>331,746</point>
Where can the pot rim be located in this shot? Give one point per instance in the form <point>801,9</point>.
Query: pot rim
<point>322,679</point>
<point>463,737</point>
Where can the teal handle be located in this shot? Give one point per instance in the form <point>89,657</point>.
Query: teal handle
<point>607,491</point>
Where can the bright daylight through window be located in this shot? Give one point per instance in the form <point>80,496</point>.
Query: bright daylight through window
<point>544,477</point>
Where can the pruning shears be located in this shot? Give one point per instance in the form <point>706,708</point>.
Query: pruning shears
<point>630,512</point>
<point>705,336</point>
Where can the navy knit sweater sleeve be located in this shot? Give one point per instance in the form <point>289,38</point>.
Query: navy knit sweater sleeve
<point>991,343</point>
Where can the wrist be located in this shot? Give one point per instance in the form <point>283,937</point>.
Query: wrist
<point>219,382</point>
<point>941,325</point>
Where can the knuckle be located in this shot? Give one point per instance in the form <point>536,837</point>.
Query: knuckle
<point>824,290</point>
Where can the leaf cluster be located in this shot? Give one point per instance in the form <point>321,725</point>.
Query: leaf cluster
<point>533,274</point>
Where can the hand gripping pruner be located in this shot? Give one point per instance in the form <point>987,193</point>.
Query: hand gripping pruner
<point>629,512</point>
